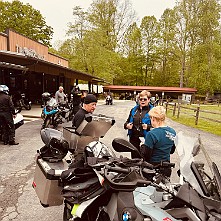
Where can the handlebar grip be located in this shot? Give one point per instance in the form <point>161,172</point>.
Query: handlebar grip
<point>167,164</point>
<point>127,186</point>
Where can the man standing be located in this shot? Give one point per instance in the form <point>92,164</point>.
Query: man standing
<point>89,106</point>
<point>7,112</point>
<point>59,95</point>
<point>76,93</point>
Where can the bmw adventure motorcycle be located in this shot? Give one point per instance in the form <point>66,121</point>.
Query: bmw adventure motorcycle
<point>131,190</point>
<point>54,114</point>
<point>101,187</point>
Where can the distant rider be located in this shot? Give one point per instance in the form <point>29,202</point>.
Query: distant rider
<point>76,93</point>
<point>7,112</point>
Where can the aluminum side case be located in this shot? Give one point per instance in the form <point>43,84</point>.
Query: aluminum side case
<point>46,181</point>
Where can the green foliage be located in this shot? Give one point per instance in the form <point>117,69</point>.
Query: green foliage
<point>25,20</point>
<point>182,48</point>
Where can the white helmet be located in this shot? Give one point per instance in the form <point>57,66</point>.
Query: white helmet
<point>4,88</point>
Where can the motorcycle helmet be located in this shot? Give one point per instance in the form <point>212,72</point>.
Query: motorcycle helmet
<point>4,88</point>
<point>46,96</point>
<point>55,150</point>
<point>99,150</point>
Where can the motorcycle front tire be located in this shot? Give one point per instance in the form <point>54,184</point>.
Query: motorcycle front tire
<point>46,123</point>
<point>27,106</point>
<point>67,215</point>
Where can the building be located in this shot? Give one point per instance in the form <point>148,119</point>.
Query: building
<point>129,92</point>
<point>27,66</point>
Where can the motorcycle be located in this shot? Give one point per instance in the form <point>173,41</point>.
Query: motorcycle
<point>139,191</point>
<point>21,101</point>
<point>109,100</point>
<point>54,114</point>
<point>103,187</point>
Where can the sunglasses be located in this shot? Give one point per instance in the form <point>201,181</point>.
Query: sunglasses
<point>143,99</point>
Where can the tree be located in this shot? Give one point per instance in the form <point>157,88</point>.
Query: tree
<point>134,56</point>
<point>25,20</point>
<point>167,51</point>
<point>95,35</point>
<point>150,35</point>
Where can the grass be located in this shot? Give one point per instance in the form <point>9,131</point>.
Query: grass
<point>203,124</point>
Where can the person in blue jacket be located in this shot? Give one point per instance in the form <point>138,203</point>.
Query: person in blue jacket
<point>159,142</point>
<point>138,122</point>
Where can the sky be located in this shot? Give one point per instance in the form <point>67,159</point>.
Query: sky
<point>58,13</point>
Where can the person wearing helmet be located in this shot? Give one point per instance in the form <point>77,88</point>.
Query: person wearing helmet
<point>7,112</point>
<point>89,106</point>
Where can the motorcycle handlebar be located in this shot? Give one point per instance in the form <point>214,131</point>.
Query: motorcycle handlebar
<point>131,181</point>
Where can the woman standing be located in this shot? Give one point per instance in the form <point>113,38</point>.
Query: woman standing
<point>159,142</point>
<point>138,122</point>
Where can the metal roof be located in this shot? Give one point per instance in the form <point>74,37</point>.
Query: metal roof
<point>13,66</point>
<point>127,88</point>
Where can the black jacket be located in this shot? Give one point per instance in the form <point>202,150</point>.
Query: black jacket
<point>6,104</point>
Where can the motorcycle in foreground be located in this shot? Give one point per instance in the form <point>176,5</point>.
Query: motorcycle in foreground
<point>131,190</point>
<point>102,187</point>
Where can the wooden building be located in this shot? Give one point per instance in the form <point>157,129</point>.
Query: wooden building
<point>27,66</point>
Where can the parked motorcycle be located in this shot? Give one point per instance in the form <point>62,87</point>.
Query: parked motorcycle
<point>54,114</point>
<point>21,101</point>
<point>132,190</point>
<point>109,100</point>
<point>100,186</point>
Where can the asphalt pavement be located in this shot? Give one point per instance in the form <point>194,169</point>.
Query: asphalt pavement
<point>18,200</point>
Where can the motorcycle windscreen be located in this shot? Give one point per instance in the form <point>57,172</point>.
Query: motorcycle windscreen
<point>52,102</point>
<point>186,146</point>
<point>217,178</point>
